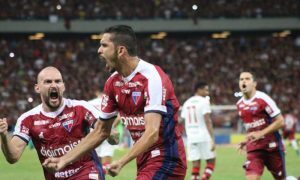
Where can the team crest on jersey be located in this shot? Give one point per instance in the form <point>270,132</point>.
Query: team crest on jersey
<point>136,96</point>
<point>68,125</point>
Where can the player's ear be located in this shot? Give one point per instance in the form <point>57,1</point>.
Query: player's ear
<point>121,50</point>
<point>37,88</point>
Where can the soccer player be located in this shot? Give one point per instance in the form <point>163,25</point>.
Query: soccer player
<point>289,130</point>
<point>196,113</point>
<point>262,119</point>
<point>144,97</point>
<point>55,126</point>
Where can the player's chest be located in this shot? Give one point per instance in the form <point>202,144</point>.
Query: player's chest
<point>250,112</point>
<point>53,129</point>
<point>131,96</point>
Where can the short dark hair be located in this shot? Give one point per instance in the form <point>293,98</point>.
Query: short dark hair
<point>123,35</point>
<point>251,72</point>
<point>200,85</point>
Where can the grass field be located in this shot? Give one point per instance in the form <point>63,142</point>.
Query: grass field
<point>228,166</point>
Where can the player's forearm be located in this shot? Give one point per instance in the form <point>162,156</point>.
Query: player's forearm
<point>143,144</point>
<point>209,126</point>
<point>8,149</point>
<point>277,124</point>
<point>90,142</point>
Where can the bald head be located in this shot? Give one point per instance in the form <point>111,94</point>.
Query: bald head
<point>48,72</point>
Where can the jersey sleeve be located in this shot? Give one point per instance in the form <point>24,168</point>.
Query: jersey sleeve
<point>22,129</point>
<point>156,92</point>
<point>183,113</point>
<point>205,109</point>
<point>108,103</point>
<point>91,113</point>
<point>271,107</point>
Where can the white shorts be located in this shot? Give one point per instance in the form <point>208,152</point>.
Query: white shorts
<point>105,149</point>
<point>200,150</point>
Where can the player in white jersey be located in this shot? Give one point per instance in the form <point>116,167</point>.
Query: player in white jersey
<point>198,126</point>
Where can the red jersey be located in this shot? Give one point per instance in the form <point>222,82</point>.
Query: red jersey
<point>257,113</point>
<point>148,89</point>
<point>55,133</point>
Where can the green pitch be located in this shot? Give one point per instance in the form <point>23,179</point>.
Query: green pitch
<point>228,166</point>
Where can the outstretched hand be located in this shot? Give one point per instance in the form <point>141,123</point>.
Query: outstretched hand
<point>53,164</point>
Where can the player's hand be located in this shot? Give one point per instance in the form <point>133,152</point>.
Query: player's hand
<point>213,145</point>
<point>242,147</point>
<point>3,126</point>
<point>113,139</point>
<point>254,136</point>
<point>115,168</point>
<point>53,164</point>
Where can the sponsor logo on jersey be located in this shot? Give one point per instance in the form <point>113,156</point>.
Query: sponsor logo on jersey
<point>253,108</point>
<point>24,130</point>
<point>134,84</point>
<point>118,84</point>
<point>66,116</point>
<point>60,151</point>
<point>255,124</point>
<point>68,125</point>
<point>269,110</point>
<point>136,96</point>
<point>133,120</point>
<point>41,135</point>
<point>67,173</point>
<point>125,91</point>
<point>104,101</point>
<point>40,122</point>
<point>55,125</point>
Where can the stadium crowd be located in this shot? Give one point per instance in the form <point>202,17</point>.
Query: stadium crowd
<point>155,9</point>
<point>218,61</point>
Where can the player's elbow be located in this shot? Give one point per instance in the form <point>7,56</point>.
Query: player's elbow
<point>12,160</point>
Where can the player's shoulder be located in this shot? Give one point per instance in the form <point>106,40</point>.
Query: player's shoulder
<point>75,102</point>
<point>32,112</point>
<point>263,96</point>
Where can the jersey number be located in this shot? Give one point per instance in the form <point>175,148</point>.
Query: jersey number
<point>192,118</point>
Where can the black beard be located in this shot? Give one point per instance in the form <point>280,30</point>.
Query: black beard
<point>50,106</point>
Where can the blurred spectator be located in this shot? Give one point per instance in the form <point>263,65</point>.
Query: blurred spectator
<point>134,9</point>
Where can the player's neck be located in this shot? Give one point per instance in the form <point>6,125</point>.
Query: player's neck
<point>129,66</point>
<point>250,94</point>
<point>48,109</point>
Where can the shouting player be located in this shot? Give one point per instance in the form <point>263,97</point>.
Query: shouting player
<point>144,97</point>
<point>262,119</point>
<point>55,127</point>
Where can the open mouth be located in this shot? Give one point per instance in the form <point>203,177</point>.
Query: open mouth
<point>244,86</point>
<point>53,94</point>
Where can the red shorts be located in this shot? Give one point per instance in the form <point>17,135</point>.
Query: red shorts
<point>289,135</point>
<point>274,161</point>
<point>149,176</point>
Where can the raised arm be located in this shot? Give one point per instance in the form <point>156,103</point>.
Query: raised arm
<point>12,147</point>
